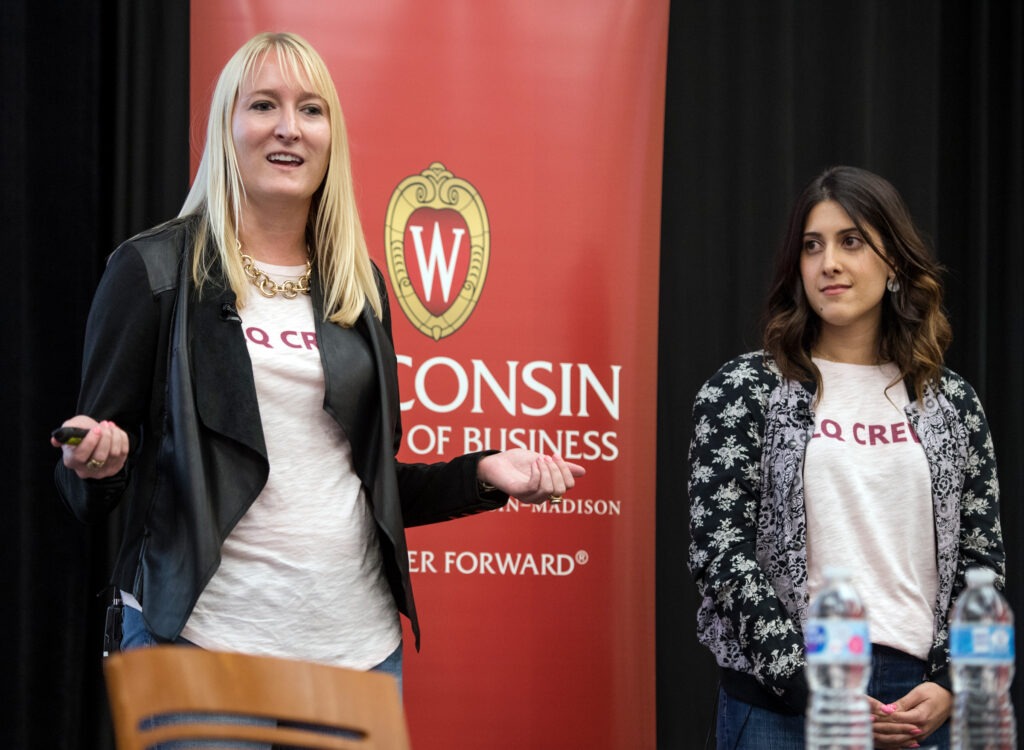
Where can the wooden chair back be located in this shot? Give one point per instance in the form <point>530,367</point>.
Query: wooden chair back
<point>201,694</point>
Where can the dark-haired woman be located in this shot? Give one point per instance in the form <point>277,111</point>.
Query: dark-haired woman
<point>846,442</point>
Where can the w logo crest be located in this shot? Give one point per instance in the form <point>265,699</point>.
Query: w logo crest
<point>438,244</point>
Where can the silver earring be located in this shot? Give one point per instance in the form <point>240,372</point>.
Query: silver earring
<point>892,284</point>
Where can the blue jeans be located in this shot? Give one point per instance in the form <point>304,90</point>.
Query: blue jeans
<point>135,634</point>
<point>741,726</point>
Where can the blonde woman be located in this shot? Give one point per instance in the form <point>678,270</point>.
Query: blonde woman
<point>239,394</point>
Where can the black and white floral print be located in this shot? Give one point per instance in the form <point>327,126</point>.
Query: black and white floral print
<point>748,551</point>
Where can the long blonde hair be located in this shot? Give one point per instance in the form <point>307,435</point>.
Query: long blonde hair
<point>333,229</point>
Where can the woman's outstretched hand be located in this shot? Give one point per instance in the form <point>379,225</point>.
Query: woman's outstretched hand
<point>528,476</point>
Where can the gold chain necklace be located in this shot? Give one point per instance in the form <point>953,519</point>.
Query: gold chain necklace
<point>267,286</point>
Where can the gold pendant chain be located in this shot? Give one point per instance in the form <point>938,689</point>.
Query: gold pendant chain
<point>270,288</point>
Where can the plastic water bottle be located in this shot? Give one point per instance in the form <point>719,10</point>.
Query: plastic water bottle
<point>981,650</point>
<point>838,651</point>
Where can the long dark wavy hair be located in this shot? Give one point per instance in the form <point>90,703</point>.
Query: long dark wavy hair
<point>915,331</point>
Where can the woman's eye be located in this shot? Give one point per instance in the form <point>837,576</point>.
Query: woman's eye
<point>811,246</point>
<point>261,106</point>
<point>852,241</point>
<point>313,109</point>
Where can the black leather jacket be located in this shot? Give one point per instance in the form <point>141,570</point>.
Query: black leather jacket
<point>171,368</point>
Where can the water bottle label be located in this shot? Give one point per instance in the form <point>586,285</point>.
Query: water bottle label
<point>984,642</point>
<point>830,640</point>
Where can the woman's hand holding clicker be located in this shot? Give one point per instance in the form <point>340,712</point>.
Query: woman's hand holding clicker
<point>101,453</point>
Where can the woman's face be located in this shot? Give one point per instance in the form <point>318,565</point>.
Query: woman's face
<point>844,278</point>
<point>282,135</point>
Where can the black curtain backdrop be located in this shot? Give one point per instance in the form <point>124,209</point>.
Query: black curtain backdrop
<point>761,96</point>
<point>94,149</point>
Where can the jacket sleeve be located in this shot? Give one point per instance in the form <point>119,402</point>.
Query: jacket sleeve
<point>741,618</point>
<point>121,336</point>
<point>981,537</point>
<point>444,491</point>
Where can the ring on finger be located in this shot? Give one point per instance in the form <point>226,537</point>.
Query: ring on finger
<point>92,463</point>
<point>555,499</point>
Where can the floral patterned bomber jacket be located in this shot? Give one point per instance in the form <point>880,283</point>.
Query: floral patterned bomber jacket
<point>748,529</point>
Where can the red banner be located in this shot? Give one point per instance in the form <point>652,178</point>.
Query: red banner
<point>507,158</point>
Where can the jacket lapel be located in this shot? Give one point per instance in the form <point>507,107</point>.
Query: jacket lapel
<point>225,389</point>
<point>351,389</point>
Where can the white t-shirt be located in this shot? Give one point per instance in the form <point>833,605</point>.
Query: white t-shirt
<point>301,573</point>
<point>867,493</point>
